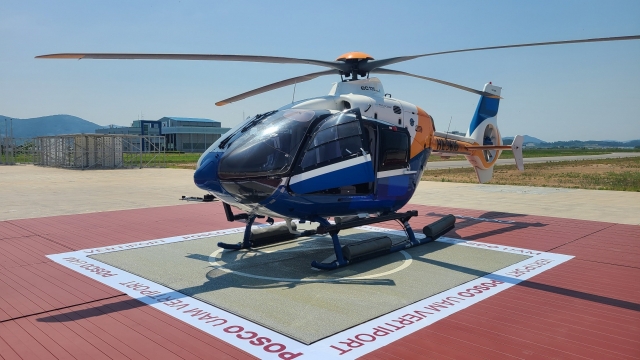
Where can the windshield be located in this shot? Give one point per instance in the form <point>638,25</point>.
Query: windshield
<point>268,148</point>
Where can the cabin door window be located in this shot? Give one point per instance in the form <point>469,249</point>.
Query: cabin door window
<point>336,159</point>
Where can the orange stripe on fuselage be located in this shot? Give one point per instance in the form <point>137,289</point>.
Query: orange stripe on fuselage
<point>470,150</point>
<point>425,138</point>
<point>424,133</point>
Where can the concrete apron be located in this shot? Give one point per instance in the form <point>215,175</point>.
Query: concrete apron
<point>275,286</point>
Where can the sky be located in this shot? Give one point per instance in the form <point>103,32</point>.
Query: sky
<point>565,92</point>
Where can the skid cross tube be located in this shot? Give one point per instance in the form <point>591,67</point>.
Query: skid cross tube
<point>404,217</point>
<point>326,227</point>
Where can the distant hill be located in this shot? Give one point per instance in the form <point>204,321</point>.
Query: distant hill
<point>574,143</point>
<point>591,144</point>
<point>527,139</point>
<point>49,125</point>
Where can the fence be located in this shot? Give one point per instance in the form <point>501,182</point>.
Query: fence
<point>16,151</point>
<point>86,151</point>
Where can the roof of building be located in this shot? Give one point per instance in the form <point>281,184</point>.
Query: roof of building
<point>176,118</point>
<point>194,130</point>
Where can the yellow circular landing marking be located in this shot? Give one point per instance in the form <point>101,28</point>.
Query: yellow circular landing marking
<point>213,260</point>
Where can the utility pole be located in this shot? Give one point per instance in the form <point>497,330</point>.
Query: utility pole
<point>3,144</point>
<point>12,142</point>
<point>8,141</point>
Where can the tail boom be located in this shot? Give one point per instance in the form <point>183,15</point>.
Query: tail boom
<point>482,144</point>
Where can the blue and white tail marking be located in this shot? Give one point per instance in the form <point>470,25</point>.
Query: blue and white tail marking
<point>483,129</point>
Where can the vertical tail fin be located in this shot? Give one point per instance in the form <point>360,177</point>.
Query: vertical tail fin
<point>483,129</point>
<point>486,114</point>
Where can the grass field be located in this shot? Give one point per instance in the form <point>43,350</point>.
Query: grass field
<point>529,153</point>
<point>604,174</point>
<point>21,158</point>
<point>188,161</point>
<point>182,161</point>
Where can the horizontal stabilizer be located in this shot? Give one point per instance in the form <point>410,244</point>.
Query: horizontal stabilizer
<point>489,147</point>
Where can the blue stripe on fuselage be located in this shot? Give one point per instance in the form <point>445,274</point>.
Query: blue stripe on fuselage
<point>357,174</point>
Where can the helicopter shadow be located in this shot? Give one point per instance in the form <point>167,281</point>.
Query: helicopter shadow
<point>317,247</point>
<point>538,286</point>
<point>508,225</point>
<point>274,267</point>
<point>71,315</point>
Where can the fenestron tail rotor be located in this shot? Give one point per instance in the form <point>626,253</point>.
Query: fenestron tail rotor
<point>353,64</point>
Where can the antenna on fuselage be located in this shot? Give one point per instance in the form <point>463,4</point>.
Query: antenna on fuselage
<point>294,91</point>
<point>448,127</point>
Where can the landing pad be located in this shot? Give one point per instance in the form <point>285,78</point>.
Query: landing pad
<point>273,293</point>
<point>276,287</point>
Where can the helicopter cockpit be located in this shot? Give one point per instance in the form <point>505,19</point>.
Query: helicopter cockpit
<point>267,145</point>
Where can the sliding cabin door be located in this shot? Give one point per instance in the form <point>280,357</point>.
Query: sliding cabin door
<point>393,173</point>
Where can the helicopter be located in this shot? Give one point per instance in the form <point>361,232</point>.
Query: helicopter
<point>356,154</point>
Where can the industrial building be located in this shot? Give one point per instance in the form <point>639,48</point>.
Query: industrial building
<point>180,133</point>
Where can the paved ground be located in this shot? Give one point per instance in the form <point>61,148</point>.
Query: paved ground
<point>436,165</point>
<point>29,191</point>
<point>622,207</point>
<point>38,191</point>
<point>588,307</point>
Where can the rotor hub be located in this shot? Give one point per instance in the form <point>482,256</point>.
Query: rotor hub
<point>354,55</point>
<point>354,59</point>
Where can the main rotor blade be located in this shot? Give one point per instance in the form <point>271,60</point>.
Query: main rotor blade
<point>277,85</point>
<point>245,58</point>
<point>373,64</point>
<point>395,72</point>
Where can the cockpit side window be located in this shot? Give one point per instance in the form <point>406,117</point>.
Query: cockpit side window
<point>394,150</point>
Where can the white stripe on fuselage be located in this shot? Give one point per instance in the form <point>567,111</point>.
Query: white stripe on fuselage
<point>329,168</point>
<point>389,173</point>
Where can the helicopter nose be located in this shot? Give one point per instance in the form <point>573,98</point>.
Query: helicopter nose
<point>206,175</point>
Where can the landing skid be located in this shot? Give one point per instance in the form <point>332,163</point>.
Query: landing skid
<point>353,252</point>
<point>266,235</point>
<point>370,248</point>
